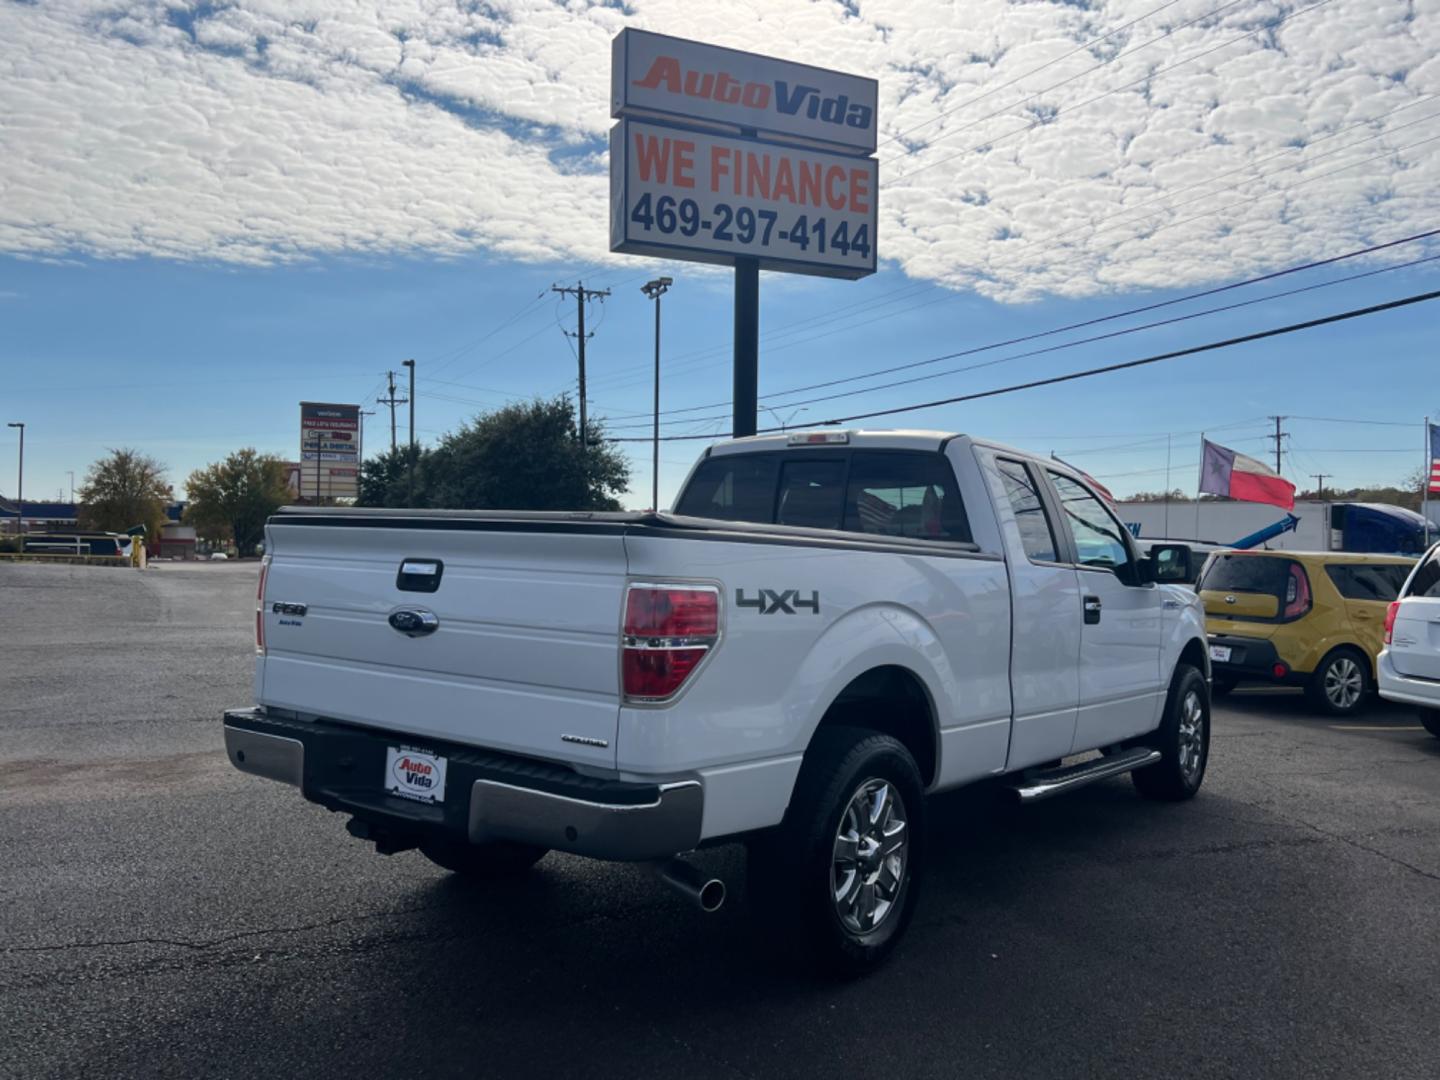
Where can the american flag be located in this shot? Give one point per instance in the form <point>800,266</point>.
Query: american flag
<point>1434,485</point>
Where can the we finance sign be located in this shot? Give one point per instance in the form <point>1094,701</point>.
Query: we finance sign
<point>653,75</point>
<point>711,198</point>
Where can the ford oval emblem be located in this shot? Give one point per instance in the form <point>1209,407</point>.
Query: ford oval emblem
<point>414,622</point>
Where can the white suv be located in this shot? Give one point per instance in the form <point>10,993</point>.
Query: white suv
<point>1409,665</point>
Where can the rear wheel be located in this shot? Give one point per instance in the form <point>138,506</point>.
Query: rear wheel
<point>1340,683</point>
<point>496,859</point>
<point>1430,718</point>
<point>839,877</point>
<point>1183,740</point>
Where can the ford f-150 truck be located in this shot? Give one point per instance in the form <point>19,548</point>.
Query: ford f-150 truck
<point>831,626</point>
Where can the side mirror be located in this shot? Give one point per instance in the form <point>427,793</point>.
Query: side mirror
<point>1172,564</point>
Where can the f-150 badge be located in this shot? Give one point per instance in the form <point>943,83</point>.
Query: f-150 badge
<point>771,602</point>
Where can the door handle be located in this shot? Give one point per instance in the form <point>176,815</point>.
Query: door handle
<point>1092,610</point>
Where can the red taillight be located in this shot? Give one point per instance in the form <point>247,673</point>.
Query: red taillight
<point>260,607</point>
<point>1297,593</point>
<point>668,630</point>
<point>1390,613</point>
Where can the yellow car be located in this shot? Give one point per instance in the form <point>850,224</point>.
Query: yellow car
<point>1311,619</point>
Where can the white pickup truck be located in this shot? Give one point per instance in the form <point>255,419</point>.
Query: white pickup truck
<point>831,626</point>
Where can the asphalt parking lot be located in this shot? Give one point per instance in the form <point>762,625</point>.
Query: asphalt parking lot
<point>163,915</point>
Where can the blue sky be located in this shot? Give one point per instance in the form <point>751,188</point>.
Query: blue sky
<point>209,212</point>
<point>190,361</point>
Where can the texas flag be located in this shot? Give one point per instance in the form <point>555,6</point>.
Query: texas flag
<point>1224,472</point>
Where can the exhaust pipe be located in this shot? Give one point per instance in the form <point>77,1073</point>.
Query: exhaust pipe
<point>706,893</point>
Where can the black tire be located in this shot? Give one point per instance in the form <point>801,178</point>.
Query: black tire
<point>795,870</point>
<point>1220,687</point>
<point>1340,685</point>
<point>497,859</point>
<point>1183,740</point>
<point>1430,720</point>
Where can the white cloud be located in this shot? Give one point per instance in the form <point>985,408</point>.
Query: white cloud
<point>272,130</point>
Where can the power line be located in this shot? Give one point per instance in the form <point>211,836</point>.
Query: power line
<point>1273,275</point>
<point>1259,335</point>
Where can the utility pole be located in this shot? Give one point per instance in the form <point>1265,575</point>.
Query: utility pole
<point>1278,436</point>
<point>1320,484</point>
<point>72,486</point>
<point>392,401</point>
<point>410,496</point>
<point>581,295</point>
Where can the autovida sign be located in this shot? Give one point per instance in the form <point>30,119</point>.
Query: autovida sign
<point>720,155</point>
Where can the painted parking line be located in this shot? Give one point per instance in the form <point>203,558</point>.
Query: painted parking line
<point>1375,727</point>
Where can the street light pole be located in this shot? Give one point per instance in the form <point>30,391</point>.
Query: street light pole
<point>654,290</point>
<point>72,486</point>
<point>20,485</point>
<point>410,497</point>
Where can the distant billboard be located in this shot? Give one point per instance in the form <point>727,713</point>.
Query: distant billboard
<point>329,451</point>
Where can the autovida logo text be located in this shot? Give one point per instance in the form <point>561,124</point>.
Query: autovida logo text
<point>415,774</point>
<point>788,99</point>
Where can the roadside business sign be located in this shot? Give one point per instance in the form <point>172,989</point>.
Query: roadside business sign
<point>657,76</point>
<point>744,160</point>
<point>329,451</point>
<point>712,198</point>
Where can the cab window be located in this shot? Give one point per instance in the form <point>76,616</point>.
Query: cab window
<point>735,487</point>
<point>903,494</point>
<point>1099,542</point>
<point>1037,534</point>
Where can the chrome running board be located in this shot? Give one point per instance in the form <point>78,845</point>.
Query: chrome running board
<point>1042,785</point>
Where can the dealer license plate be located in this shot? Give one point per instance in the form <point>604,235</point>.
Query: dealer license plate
<point>414,774</point>
<point>1220,653</point>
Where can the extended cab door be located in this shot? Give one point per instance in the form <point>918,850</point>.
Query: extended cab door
<point>1045,606</point>
<point>1122,686</point>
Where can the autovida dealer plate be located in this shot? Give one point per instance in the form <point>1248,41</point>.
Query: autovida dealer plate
<point>414,774</point>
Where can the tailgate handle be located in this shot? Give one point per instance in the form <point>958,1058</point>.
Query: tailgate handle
<point>419,575</point>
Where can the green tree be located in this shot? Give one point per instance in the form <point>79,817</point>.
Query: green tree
<point>122,490</point>
<point>231,499</point>
<point>522,457</point>
<point>384,480</point>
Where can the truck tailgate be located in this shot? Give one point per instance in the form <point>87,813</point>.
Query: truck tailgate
<point>525,656</point>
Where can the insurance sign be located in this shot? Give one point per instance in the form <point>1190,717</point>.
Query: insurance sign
<point>711,198</point>
<point>329,451</point>
<point>653,75</point>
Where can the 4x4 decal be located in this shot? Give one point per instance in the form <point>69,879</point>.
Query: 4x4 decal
<point>771,602</point>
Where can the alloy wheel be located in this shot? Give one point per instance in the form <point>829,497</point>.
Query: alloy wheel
<point>1344,682</point>
<point>871,856</point>
<point>1191,735</point>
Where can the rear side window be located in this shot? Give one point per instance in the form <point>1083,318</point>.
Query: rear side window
<point>1036,534</point>
<point>811,494</point>
<point>1380,583</point>
<point>1246,573</point>
<point>905,495</point>
<point>736,487</point>
<point>1426,581</point>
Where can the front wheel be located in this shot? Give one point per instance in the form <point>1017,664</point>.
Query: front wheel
<point>1340,683</point>
<point>839,877</point>
<point>1430,719</point>
<point>1183,740</point>
<point>496,859</point>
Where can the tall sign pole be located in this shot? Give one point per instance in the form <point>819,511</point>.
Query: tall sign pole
<point>746,395</point>
<point>741,160</point>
